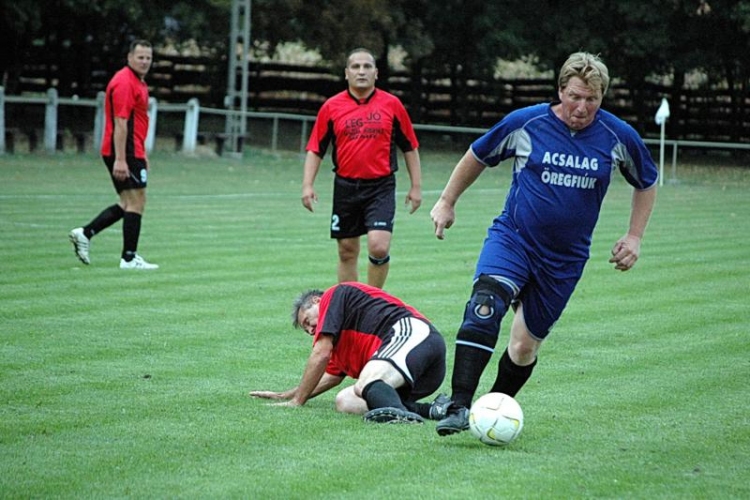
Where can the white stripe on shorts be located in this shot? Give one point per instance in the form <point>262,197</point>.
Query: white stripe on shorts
<point>408,333</point>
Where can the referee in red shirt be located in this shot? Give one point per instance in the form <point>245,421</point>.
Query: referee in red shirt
<point>364,126</point>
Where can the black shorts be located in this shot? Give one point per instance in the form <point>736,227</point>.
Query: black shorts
<point>138,178</point>
<point>362,205</point>
<point>417,350</point>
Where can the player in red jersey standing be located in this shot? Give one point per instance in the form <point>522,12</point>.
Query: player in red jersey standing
<point>364,125</point>
<point>394,352</point>
<point>123,150</point>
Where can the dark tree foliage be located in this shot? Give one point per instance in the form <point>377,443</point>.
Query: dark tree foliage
<point>71,42</point>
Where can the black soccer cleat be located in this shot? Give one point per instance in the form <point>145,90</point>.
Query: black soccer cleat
<point>391,415</point>
<point>439,407</point>
<point>456,421</point>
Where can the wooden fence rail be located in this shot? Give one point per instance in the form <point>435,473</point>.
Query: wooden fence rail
<point>715,114</point>
<point>192,133</point>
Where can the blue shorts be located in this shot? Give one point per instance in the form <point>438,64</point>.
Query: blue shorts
<point>542,287</point>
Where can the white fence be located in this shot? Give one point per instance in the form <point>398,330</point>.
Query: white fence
<point>193,111</point>
<point>191,130</point>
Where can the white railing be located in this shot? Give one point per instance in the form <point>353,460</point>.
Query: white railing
<point>191,109</point>
<point>193,112</point>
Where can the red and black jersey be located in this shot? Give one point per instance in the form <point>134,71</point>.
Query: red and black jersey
<point>126,97</point>
<point>364,134</point>
<point>358,317</point>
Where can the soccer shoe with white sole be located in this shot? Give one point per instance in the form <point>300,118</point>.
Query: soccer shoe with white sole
<point>81,244</point>
<point>391,415</point>
<point>137,263</point>
<point>439,407</point>
<point>456,421</point>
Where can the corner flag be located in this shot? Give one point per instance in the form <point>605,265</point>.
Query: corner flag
<point>661,119</point>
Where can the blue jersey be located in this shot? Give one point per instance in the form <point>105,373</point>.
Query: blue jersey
<point>560,176</point>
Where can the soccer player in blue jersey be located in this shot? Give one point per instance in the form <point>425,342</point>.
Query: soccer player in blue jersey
<point>564,155</point>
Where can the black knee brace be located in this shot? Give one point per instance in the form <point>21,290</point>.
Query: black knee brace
<point>484,311</point>
<point>379,262</point>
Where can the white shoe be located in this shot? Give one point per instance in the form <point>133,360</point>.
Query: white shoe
<point>80,244</point>
<point>137,263</point>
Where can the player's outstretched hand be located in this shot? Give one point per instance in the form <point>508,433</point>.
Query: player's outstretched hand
<point>269,395</point>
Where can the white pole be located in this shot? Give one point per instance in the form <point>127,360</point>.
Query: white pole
<point>153,111</point>
<point>50,121</point>
<point>661,119</point>
<point>190,133</point>
<point>99,121</point>
<point>661,156</point>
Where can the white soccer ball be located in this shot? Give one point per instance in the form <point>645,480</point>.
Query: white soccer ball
<point>496,419</point>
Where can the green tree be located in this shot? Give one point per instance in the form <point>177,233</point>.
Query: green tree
<point>71,41</point>
<point>20,22</point>
<point>716,40</point>
<point>77,44</point>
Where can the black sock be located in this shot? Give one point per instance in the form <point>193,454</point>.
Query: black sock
<point>106,218</point>
<point>469,363</point>
<point>378,394</point>
<point>131,230</point>
<point>510,376</point>
<point>421,409</point>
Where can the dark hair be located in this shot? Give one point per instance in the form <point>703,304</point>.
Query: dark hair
<point>139,42</point>
<point>357,50</point>
<point>304,301</point>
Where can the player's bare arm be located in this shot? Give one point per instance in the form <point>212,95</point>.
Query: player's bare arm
<point>274,395</point>
<point>120,170</point>
<point>627,250</point>
<point>414,167</point>
<point>443,214</point>
<point>311,167</point>
<point>314,371</point>
<point>326,383</point>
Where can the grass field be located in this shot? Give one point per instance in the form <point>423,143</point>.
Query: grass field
<point>134,384</point>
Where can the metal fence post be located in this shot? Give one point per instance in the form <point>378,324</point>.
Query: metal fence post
<point>50,121</point>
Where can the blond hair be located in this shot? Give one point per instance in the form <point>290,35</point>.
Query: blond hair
<point>588,67</point>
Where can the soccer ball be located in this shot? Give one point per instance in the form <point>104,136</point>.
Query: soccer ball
<point>496,419</point>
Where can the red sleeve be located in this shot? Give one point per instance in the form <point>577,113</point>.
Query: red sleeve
<point>123,99</point>
<point>407,138</point>
<point>330,314</point>
<point>321,133</point>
